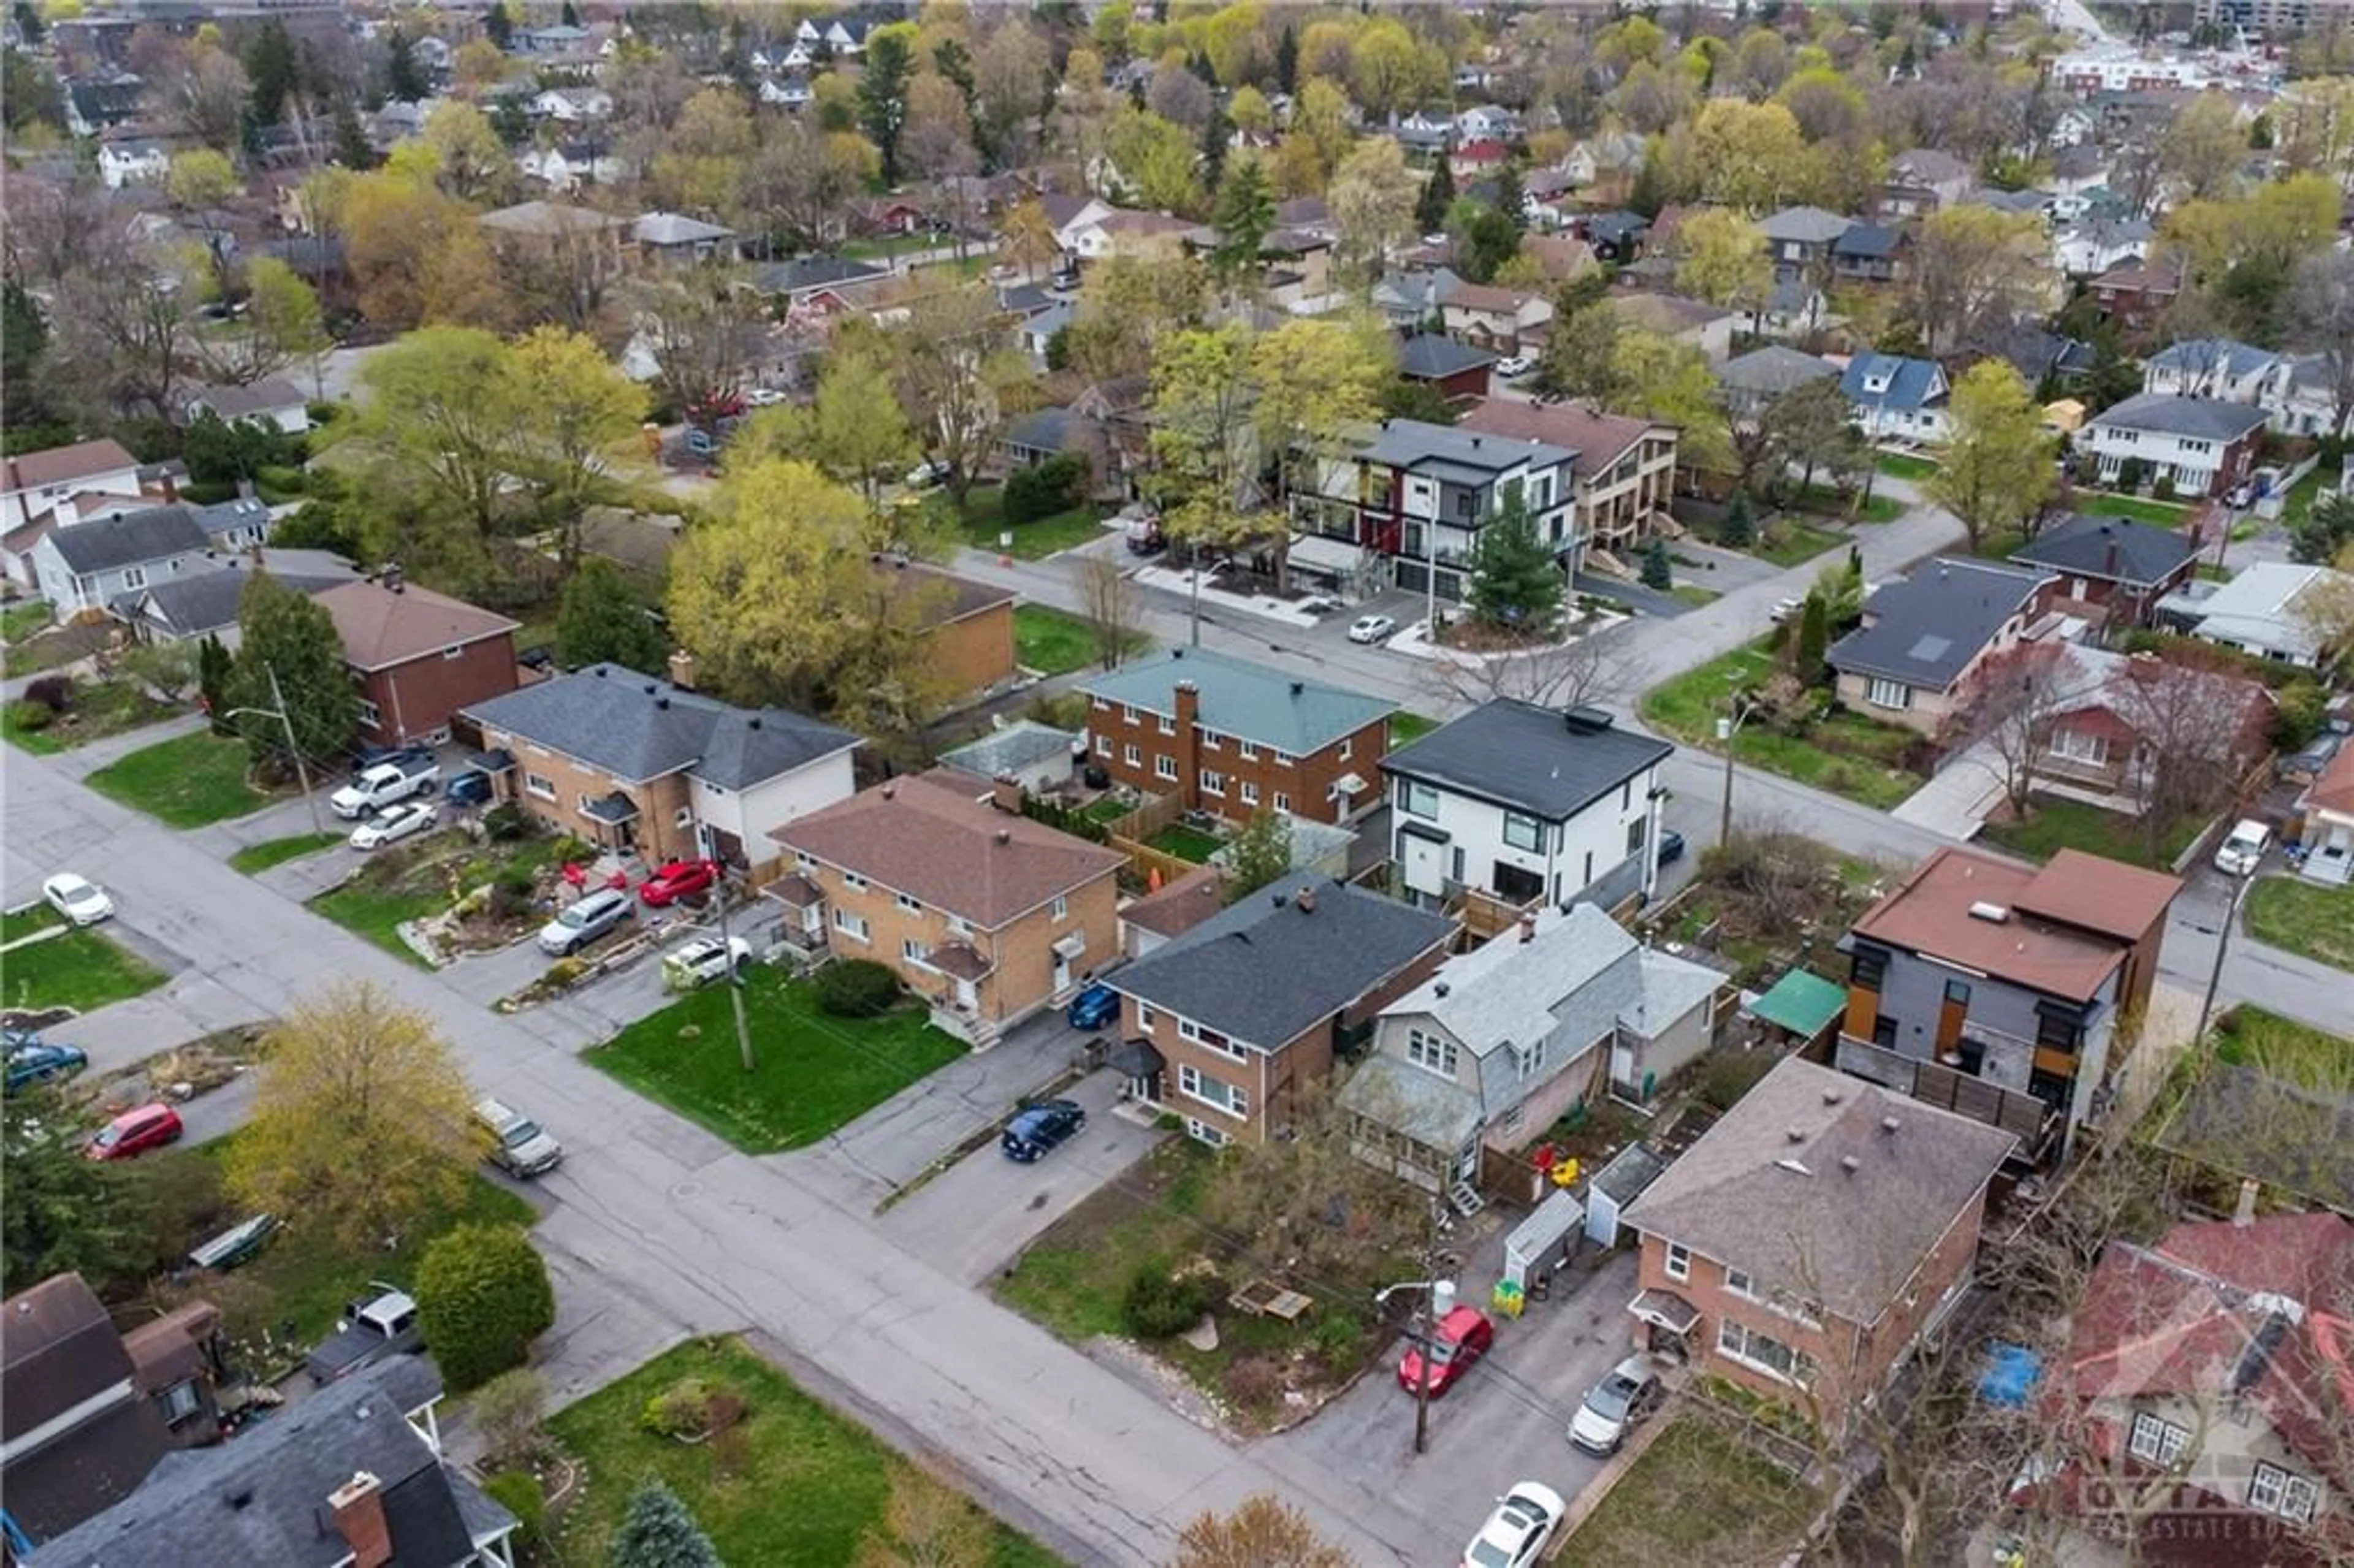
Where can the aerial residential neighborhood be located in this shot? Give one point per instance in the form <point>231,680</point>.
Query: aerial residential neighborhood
<point>1176,784</point>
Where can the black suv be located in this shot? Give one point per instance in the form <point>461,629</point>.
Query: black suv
<point>1034,1131</point>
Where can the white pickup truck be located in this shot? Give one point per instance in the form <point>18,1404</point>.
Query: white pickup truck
<point>383,784</point>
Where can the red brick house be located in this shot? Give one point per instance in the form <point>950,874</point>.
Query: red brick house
<point>2112,569</point>
<point>1807,1242</point>
<point>417,656</point>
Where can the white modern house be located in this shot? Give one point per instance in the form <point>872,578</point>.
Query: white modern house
<point>2201,445</point>
<point>1519,805</point>
<point>2217,367</point>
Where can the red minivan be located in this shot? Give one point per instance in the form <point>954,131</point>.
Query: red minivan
<point>1462,1337</point>
<point>135,1132</point>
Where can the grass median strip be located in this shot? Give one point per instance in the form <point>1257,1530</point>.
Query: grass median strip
<point>84,969</point>
<point>2304,917</point>
<point>260,857</point>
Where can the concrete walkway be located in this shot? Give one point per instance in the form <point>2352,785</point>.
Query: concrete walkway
<point>1956,803</point>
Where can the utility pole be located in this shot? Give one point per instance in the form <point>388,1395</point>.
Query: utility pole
<point>302,774</point>
<point>2222,942</point>
<point>735,972</point>
<point>1423,1331</point>
<point>1727,728</point>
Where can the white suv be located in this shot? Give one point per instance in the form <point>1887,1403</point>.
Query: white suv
<point>2239,852</point>
<point>584,920</point>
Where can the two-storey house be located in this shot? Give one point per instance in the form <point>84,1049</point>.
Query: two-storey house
<point>1414,496</point>
<point>1235,738</point>
<point>2218,367</point>
<point>1897,398</point>
<point>2200,446</point>
<point>1756,381</point>
<point>35,486</point>
<point>1513,804</point>
<point>1800,241</point>
<point>1805,1244</point>
<point>1502,1039</point>
<point>1996,989</point>
<point>653,768</point>
<point>1923,639</point>
<point>1244,1012</point>
<point>2112,570</point>
<point>81,567</point>
<point>984,912</point>
<point>2210,1377</point>
<point>1623,476</point>
<point>417,656</point>
<point>2271,610</point>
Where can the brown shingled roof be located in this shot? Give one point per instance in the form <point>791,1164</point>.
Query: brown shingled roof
<point>62,465</point>
<point>1598,438</point>
<point>940,845</point>
<point>381,627</point>
<point>1929,913</point>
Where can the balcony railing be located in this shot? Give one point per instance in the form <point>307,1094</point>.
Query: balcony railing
<point>1949,1088</point>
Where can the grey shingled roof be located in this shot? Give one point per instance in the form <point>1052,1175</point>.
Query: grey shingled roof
<point>1774,370</point>
<point>1765,1189</point>
<point>1925,630</point>
<point>2205,418</point>
<point>1249,702</point>
<point>1433,355</point>
<point>1512,991</point>
<point>1263,971</point>
<point>1528,758</point>
<point>1416,444</point>
<point>197,602</point>
<point>1805,226</point>
<point>189,1513</point>
<point>2143,553</point>
<point>130,538</point>
<point>636,728</point>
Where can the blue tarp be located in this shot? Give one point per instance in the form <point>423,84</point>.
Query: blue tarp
<point>2011,1374</point>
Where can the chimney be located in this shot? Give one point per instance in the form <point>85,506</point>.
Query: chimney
<point>171,489</point>
<point>392,578</point>
<point>245,490</point>
<point>1005,836</point>
<point>2109,560</point>
<point>1304,900</point>
<point>1527,929</point>
<point>2243,1213</point>
<point>358,1506</point>
<point>891,791</point>
<point>1850,1165</point>
<point>66,512</point>
<point>1888,1124</point>
<point>682,670</point>
<point>1187,744</point>
<point>1005,794</point>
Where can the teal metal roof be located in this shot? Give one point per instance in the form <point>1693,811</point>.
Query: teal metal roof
<point>1247,701</point>
<point>1802,1002</point>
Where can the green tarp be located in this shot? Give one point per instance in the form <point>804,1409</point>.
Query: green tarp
<point>1801,1002</point>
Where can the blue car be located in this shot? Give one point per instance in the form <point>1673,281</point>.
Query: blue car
<point>35,1061</point>
<point>1093,1007</point>
<point>467,789</point>
<point>1032,1132</point>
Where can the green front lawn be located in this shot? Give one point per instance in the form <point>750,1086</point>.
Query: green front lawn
<point>1405,728</point>
<point>983,519</point>
<point>1695,1495</point>
<point>81,969</point>
<point>1787,541</point>
<point>1186,843</point>
<point>1845,753</point>
<point>793,1484</point>
<point>814,1073</point>
<point>1694,595</point>
<point>2304,917</point>
<point>378,913</point>
<point>101,709</point>
<point>1829,501</point>
<point>185,782</point>
<point>2054,824</point>
<point>260,857</point>
<point>1898,465</point>
<point>20,621</point>
<point>2165,514</point>
<point>1688,706</point>
<point>1073,1277</point>
<point>1056,643</point>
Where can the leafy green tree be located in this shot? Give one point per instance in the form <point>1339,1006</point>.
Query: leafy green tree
<point>1516,582</point>
<point>30,93</point>
<point>1658,572</point>
<point>1484,239</point>
<point>603,620</point>
<point>1243,215</point>
<point>658,1532</point>
<point>482,1297</point>
<point>24,341</point>
<point>1997,465</point>
<point>59,1211</point>
<point>290,635</point>
<point>883,93</point>
<point>1814,637</point>
<point>1739,529</point>
<point>2322,534</point>
<point>1260,854</point>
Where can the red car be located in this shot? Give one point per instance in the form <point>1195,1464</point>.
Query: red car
<point>135,1133</point>
<point>1462,1337</point>
<point>679,879</point>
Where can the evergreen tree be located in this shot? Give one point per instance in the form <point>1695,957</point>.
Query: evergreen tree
<point>603,621</point>
<point>658,1532</point>
<point>61,1211</point>
<point>1516,582</point>
<point>1814,637</point>
<point>213,667</point>
<point>24,338</point>
<point>1437,198</point>
<point>1739,530</point>
<point>290,635</point>
<point>482,1297</point>
<point>1260,854</point>
<point>352,149</point>
<point>498,26</point>
<point>569,15</point>
<point>270,72</point>
<point>1199,64</point>
<point>882,95</point>
<point>1216,132</point>
<point>1658,572</point>
<point>403,79</point>
<point>1243,215</point>
<point>1287,61</point>
<point>1510,197</point>
<point>32,28</point>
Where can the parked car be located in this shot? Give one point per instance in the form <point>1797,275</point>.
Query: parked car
<point>928,474</point>
<point>707,958</point>
<point>2243,848</point>
<point>1788,609</point>
<point>235,1245</point>
<point>1093,1008</point>
<point>373,1328</point>
<point>410,754</point>
<point>2306,765</point>
<point>1461,1338</point>
<point>1514,364</point>
<point>524,1147</point>
<point>584,920</point>
<point>1034,1131</point>
<point>1614,1405</point>
<point>1142,527</point>
<point>32,1060</point>
<point>1671,847</point>
<point>676,880</point>
<point>470,788</point>
<point>1518,1532</point>
<point>384,784</point>
<point>1372,628</point>
<point>394,823</point>
<point>135,1133</point>
<point>81,902</point>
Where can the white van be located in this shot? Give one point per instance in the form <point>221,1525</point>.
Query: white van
<point>2243,848</point>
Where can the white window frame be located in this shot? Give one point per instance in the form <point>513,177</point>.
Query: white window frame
<point>455,650</point>
<point>539,785</point>
<point>2155,1440</point>
<point>1248,750</point>
<point>1883,693</point>
<point>1737,1282</point>
<point>1062,907</point>
<point>1736,1341</point>
<point>960,926</point>
<point>850,924</point>
<point>1419,800</point>
<point>804,861</point>
<point>1530,1061</point>
<point>1213,741</point>
<point>1103,747</point>
<point>1134,755</point>
<point>1249,793</point>
<point>1282,802</point>
<point>2274,1490</point>
<point>1678,1264</point>
<point>1347,747</point>
<point>915,952</point>
<point>1432,1053</point>
<point>1168,725</point>
<point>1165,767</point>
<point>1190,1081</point>
<point>1213,783</point>
<point>1200,1132</point>
<point>134,576</point>
<point>369,716</point>
<point>682,818</point>
<point>1533,826</point>
<point>853,882</point>
<point>1127,713</point>
<point>1145,1016</point>
<point>2074,746</point>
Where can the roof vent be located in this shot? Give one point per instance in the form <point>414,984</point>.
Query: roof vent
<point>1831,1096</point>
<point>1850,1165</point>
<point>1994,913</point>
<point>601,671</point>
<point>662,703</point>
<point>752,723</point>
<point>650,688</point>
<point>1793,1167</point>
<point>1888,1124</point>
<point>890,792</point>
<point>1439,990</point>
<point>1586,720</point>
<point>1004,835</point>
<point>1794,1135</point>
<point>1298,688</point>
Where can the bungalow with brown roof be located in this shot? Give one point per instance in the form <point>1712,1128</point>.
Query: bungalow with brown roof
<point>417,656</point>
<point>986,913</point>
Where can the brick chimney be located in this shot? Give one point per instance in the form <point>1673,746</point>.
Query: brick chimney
<point>358,1506</point>
<point>1187,743</point>
<point>682,670</point>
<point>1304,900</point>
<point>1528,929</point>
<point>2243,1213</point>
<point>1005,794</point>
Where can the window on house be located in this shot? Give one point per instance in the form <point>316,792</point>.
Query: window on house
<point>2283,1493</point>
<point>915,952</point>
<point>178,1403</point>
<point>1417,799</point>
<point>368,713</point>
<point>683,817</point>
<point>1867,967</point>
<point>853,882</point>
<point>1529,1059</point>
<point>1062,907</point>
<point>1145,1016</point>
<point>1168,725</point>
<point>1433,1053</point>
<point>908,902</point>
<point>1133,756</point>
<point>1679,1261</point>
<point>2075,746</point>
<point>134,576</point>
<point>960,926</point>
<point>1212,783</point>
<point>1197,1085</point>
<point>2154,1441</point>
<point>1249,793</point>
<point>1200,1132</point>
<point>850,924</point>
<point>1346,748</point>
<point>458,651</point>
<point>1284,759</point>
<point>1126,714</point>
<point>1958,992</point>
<point>1523,832</point>
<point>1282,802</point>
<point>1883,693</point>
<point>1737,1281</point>
<point>539,784</point>
<point>1636,831</point>
<point>1103,748</point>
<point>1212,740</point>
<point>1249,750</point>
<point>1165,768</point>
<point>1763,1352</point>
<point>804,859</point>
